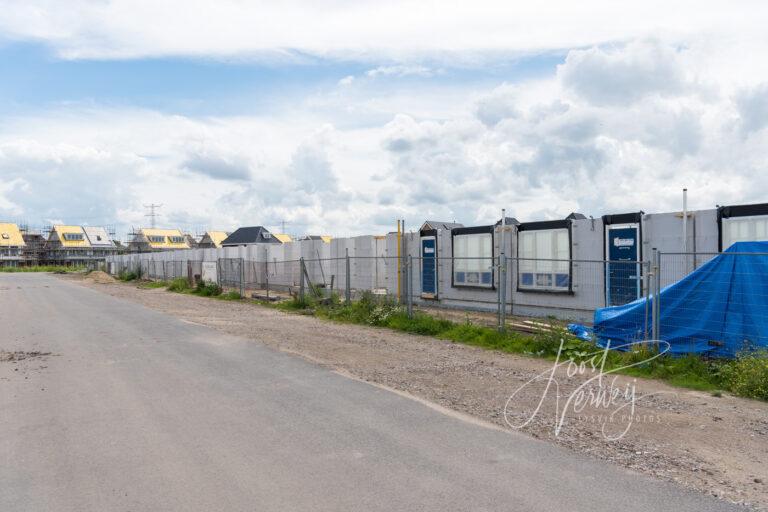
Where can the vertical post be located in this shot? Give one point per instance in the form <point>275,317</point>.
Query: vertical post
<point>242,277</point>
<point>266,276</point>
<point>348,287</point>
<point>502,274</point>
<point>409,285</point>
<point>657,298</point>
<point>399,262</point>
<point>646,267</point>
<point>301,279</point>
<point>685,229</point>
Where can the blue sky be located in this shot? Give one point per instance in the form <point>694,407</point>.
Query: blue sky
<point>343,117</point>
<point>35,77</point>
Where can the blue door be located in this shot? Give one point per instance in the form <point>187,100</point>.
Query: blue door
<point>623,272</point>
<point>428,267</point>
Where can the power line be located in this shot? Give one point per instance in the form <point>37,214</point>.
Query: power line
<point>152,214</point>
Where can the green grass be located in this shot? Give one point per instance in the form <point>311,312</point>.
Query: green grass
<point>231,295</point>
<point>746,376</point>
<point>148,285</point>
<point>59,269</point>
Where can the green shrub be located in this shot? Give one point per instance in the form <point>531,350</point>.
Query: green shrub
<point>207,289</point>
<point>747,375</point>
<point>231,295</point>
<point>179,285</point>
<point>128,275</point>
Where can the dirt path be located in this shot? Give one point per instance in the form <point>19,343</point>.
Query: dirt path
<point>717,445</point>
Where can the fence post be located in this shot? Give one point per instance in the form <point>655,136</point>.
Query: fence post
<point>646,270</point>
<point>658,300</point>
<point>502,292</point>
<point>242,277</point>
<point>301,279</point>
<point>409,285</point>
<point>655,304</point>
<point>348,287</point>
<point>266,276</point>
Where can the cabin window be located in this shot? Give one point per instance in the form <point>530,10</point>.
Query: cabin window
<point>176,239</point>
<point>544,260</point>
<point>473,260</point>
<point>156,239</point>
<point>73,237</point>
<point>744,229</point>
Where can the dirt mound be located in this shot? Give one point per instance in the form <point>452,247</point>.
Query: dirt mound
<point>97,276</point>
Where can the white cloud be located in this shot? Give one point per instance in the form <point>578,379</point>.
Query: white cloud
<point>396,29</point>
<point>539,148</point>
<point>401,70</point>
<point>623,75</point>
<point>752,104</point>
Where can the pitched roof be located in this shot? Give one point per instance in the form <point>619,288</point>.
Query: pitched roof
<point>10,236</point>
<point>439,224</point>
<point>283,237</point>
<point>324,238</point>
<point>214,237</point>
<point>98,236</point>
<point>508,221</point>
<point>69,236</point>
<point>153,238</point>
<point>250,235</point>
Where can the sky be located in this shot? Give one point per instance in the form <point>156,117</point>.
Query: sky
<point>340,117</point>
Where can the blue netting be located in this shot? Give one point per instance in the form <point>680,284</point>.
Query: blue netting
<point>720,308</point>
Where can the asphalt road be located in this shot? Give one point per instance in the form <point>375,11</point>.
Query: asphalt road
<point>138,411</point>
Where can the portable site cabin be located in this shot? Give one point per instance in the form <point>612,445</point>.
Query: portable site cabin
<point>212,239</point>
<point>11,245</point>
<point>152,239</point>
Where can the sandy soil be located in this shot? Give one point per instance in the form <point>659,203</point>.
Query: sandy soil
<point>716,445</point>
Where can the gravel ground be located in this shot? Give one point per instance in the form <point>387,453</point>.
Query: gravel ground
<point>716,445</point>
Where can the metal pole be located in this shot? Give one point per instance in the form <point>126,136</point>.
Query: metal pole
<point>409,285</point>
<point>685,220</point>
<point>301,279</point>
<point>502,274</point>
<point>242,277</point>
<point>399,259</point>
<point>685,228</point>
<point>658,299</point>
<point>266,276</point>
<point>348,287</point>
<point>646,272</point>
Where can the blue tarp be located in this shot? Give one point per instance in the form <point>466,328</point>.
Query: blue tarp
<point>721,308</point>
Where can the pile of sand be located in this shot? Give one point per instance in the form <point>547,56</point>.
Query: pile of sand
<point>97,276</point>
